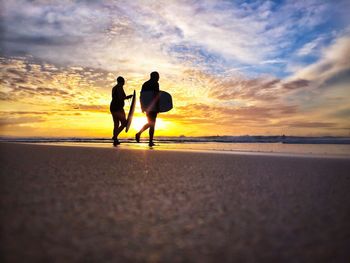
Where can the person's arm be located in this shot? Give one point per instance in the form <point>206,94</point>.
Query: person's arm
<point>121,94</point>
<point>124,95</point>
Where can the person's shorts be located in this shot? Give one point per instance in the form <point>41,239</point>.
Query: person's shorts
<point>151,116</point>
<point>119,116</point>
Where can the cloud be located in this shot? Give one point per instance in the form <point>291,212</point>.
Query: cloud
<point>332,68</point>
<point>322,87</point>
<point>114,36</point>
<point>38,113</point>
<point>259,89</point>
<point>342,113</point>
<point>310,48</point>
<point>311,93</point>
<point>77,33</point>
<point>307,124</point>
<point>296,84</point>
<point>90,108</point>
<point>11,121</point>
<point>44,84</point>
<point>40,91</point>
<point>334,60</point>
<point>219,115</point>
<point>5,96</point>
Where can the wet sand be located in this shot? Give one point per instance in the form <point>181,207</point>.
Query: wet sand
<point>80,204</point>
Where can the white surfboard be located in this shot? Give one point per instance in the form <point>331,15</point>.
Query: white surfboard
<point>131,112</point>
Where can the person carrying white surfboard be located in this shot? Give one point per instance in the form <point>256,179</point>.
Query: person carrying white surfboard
<point>151,85</point>
<point>117,109</point>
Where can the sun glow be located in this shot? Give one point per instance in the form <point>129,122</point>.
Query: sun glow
<point>138,122</point>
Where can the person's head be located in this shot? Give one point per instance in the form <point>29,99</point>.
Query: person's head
<point>155,76</point>
<point>120,80</point>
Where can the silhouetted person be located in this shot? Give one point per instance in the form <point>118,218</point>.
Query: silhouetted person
<point>117,108</point>
<point>150,85</point>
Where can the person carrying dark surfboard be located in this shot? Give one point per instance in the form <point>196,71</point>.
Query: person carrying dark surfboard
<point>151,112</point>
<point>117,109</point>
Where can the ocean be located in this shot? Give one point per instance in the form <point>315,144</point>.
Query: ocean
<point>314,146</point>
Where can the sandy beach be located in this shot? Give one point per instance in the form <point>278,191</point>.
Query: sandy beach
<point>81,204</point>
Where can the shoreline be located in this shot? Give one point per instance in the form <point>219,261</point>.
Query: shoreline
<point>163,147</point>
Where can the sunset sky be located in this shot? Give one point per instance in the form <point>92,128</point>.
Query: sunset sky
<point>232,67</point>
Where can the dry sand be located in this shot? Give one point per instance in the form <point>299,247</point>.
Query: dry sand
<point>76,204</point>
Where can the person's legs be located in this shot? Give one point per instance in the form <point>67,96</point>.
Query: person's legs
<point>116,124</point>
<point>145,127</point>
<point>138,135</point>
<point>152,116</point>
<point>122,119</point>
<point>118,116</point>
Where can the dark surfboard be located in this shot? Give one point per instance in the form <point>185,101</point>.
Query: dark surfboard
<point>148,101</point>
